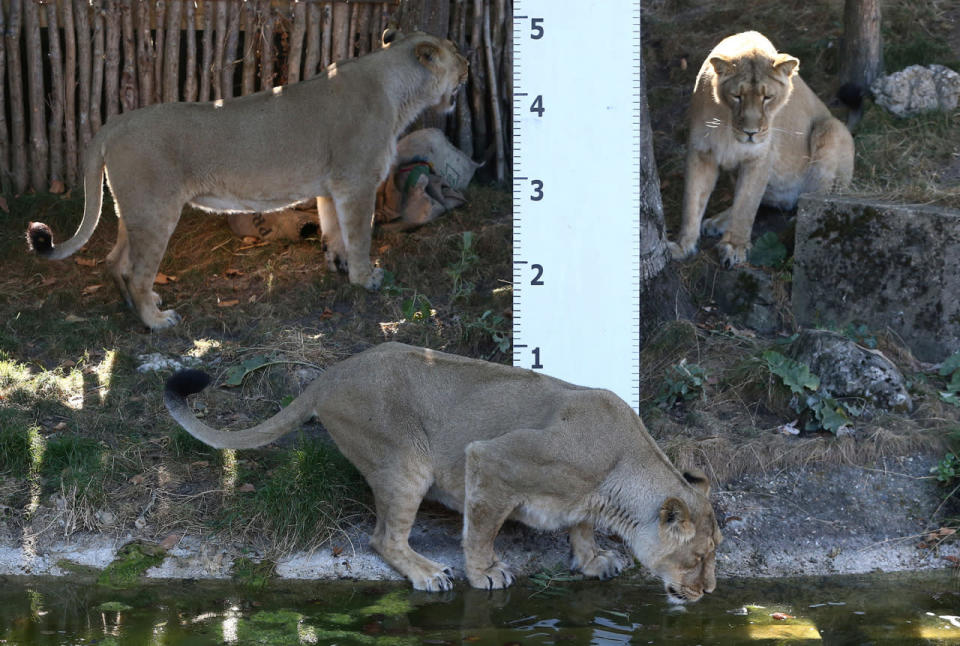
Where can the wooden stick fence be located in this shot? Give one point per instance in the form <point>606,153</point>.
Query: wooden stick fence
<point>67,66</point>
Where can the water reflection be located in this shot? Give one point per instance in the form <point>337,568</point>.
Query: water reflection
<point>914,609</point>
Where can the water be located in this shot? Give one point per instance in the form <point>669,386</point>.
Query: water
<point>876,610</point>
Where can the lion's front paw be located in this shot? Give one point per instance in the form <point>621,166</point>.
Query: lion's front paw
<point>732,255</point>
<point>375,280</point>
<point>434,581</point>
<point>681,251</point>
<point>605,564</point>
<point>495,577</point>
<point>164,319</point>
<point>717,225</point>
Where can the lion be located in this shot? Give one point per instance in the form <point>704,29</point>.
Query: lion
<point>332,137</point>
<point>495,442</point>
<point>751,112</point>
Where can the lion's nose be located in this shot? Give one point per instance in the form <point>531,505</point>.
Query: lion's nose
<point>750,133</point>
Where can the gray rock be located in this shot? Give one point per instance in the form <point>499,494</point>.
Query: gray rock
<point>884,265</point>
<point>918,89</point>
<point>849,370</point>
<point>748,296</point>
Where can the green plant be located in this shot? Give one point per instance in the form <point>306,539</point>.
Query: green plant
<point>860,334</point>
<point>821,410</point>
<point>951,369</point>
<point>417,307</point>
<point>463,288</point>
<point>493,326</point>
<point>768,251</point>
<point>73,462</point>
<point>948,469</point>
<point>682,381</point>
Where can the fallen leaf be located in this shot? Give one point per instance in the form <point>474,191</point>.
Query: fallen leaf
<point>200,464</point>
<point>952,559</point>
<point>69,363</point>
<point>163,279</point>
<point>789,429</point>
<point>947,531</point>
<point>233,273</point>
<point>60,427</point>
<point>922,546</point>
<point>47,282</point>
<point>66,196</point>
<point>326,314</point>
<point>248,239</point>
<point>85,262</point>
<point>229,303</point>
<point>57,187</point>
<point>90,289</point>
<point>73,318</point>
<point>780,616</point>
<point>246,488</point>
<point>337,550</point>
<point>170,541</point>
<point>137,479</point>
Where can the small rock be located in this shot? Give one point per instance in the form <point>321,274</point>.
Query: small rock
<point>918,89</point>
<point>106,518</point>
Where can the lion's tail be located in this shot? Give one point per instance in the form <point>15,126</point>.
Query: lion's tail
<point>188,382</point>
<point>40,236</point>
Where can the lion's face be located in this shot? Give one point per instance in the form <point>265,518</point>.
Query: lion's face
<point>686,558</point>
<point>440,56</point>
<point>754,89</point>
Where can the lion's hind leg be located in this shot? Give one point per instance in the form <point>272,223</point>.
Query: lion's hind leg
<point>335,252</point>
<point>146,244</point>
<point>118,261</point>
<point>397,497</point>
<point>590,559</point>
<point>831,157</point>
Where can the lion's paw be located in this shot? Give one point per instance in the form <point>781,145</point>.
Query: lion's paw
<point>605,564</point>
<point>376,279</point>
<point>435,581</point>
<point>495,577</point>
<point>681,252</point>
<point>732,255</point>
<point>157,299</point>
<point>164,319</point>
<point>716,226</point>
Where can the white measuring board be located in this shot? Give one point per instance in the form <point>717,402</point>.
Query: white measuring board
<point>576,202</point>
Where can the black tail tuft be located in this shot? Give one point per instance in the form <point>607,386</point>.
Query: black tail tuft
<point>187,382</point>
<point>851,95</point>
<point>39,238</point>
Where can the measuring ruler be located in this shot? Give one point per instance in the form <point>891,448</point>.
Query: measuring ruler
<point>576,192</point>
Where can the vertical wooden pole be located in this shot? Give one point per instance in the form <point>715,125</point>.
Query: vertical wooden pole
<point>267,19</point>
<point>111,72</point>
<point>494,92</point>
<point>70,92</point>
<point>4,133</point>
<point>363,29</point>
<point>128,79</point>
<point>478,81</point>
<point>57,99</point>
<point>39,151</point>
<point>352,31</point>
<point>326,44</point>
<point>251,40</point>
<point>312,55</point>
<point>145,53</point>
<point>341,31</point>
<point>158,49</point>
<point>190,83</point>
<point>81,13</point>
<point>297,34</point>
<point>18,127</point>
<point>228,73</point>
<point>220,25</point>
<point>206,67</point>
<point>171,53</point>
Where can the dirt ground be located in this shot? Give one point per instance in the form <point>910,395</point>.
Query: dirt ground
<point>89,458</point>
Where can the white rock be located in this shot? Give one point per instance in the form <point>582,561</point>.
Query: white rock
<point>918,89</point>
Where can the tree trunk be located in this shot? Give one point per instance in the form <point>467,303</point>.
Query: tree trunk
<point>326,43</point>
<point>4,134</point>
<point>206,66</point>
<point>171,54</point>
<point>861,54</point>
<point>190,83</point>
<point>268,18</point>
<point>145,54</point>
<point>494,95</point>
<point>111,72</point>
<point>312,55</point>
<point>228,73</point>
<point>662,297</point>
<point>296,41</point>
<point>18,127</point>
<point>39,151</point>
<point>70,91</point>
<point>341,32</point>
<point>477,83</point>
<point>85,64</point>
<point>248,84</point>
<point>220,26</point>
<point>57,98</point>
<point>158,50</point>
<point>96,81</point>
<point>128,80</point>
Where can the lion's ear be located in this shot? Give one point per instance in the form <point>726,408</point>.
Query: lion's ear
<point>390,34</point>
<point>786,64</point>
<point>722,67</point>
<point>675,520</point>
<point>427,53</point>
<point>698,479</point>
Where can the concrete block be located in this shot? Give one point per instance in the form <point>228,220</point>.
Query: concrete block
<point>884,265</point>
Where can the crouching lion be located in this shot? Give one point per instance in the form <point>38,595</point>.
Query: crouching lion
<point>495,442</point>
<point>751,112</point>
<point>332,137</point>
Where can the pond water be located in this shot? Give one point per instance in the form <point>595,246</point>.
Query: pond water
<point>877,609</point>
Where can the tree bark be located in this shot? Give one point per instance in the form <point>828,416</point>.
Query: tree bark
<point>85,64</point>
<point>57,99</point>
<point>312,56</point>
<point>4,133</point>
<point>341,31</point>
<point>145,54</point>
<point>111,72</point>
<point>158,50</point>
<point>294,59</point>
<point>128,80</point>
<point>206,67</point>
<point>861,52</point>
<point>494,95</point>
<point>96,80</point>
<point>478,82</point>
<point>326,45</point>
<point>248,84</point>
<point>228,73</point>
<point>220,27</point>
<point>70,91</point>
<point>39,151</point>
<point>363,29</point>
<point>171,54</point>
<point>18,127</point>
<point>190,83</point>
<point>268,18</point>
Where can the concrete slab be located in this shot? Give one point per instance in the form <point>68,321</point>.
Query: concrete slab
<point>884,265</point>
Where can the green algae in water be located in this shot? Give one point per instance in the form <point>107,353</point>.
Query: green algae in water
<point>888,610</point>
<point>133,559</point>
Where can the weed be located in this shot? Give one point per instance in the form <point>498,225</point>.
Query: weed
<point>948,469</point>
<point>20,450</point>
<point>463,288</point>
<point>71,462</point>
<point>492,326</point>
<point>548,582</point>
<point>417,308</point>
<point>768,251</point>
<point>821,410</point>
<point>951,370</point>
<point>682,382</point>
<point>250,574</point>
<point>132,560</point>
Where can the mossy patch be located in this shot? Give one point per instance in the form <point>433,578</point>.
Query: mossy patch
<point>392,604</point>
<point>114,606</point>
<point>252,574</point>
<point>77,569</point>
<point>133,559</point>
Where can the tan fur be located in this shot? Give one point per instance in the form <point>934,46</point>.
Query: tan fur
<point>332,137</point>
<point>498,442</point>
<point>779,137</point>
